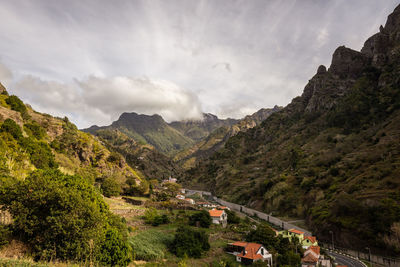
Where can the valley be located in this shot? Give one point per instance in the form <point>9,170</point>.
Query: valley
<point>312,183</point>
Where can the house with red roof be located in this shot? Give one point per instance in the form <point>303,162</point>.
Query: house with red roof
<point>309,241</point>
<point>219,217</point>
<point>312,257</point>
<point>247,253</point>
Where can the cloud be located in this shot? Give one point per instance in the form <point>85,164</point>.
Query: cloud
<point>98,100</point>
<point>6,75</point>
<point>234,55</point>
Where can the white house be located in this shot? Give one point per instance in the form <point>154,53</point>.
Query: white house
<point>180,197</point>
<point>218,217</point>
<point>191,201</point>
<point>247,253</point>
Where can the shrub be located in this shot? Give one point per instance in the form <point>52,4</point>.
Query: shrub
<point>40,153</point>
<point>263,235</point>
<point>114,250</point>
<point>232,217</point>
<point>61,216</point>
<point>4,234</point>
<point>151,216</point>
<point>110,187</point>
<point>189,242</point>
<point>201,218</point>
<point>35,129</point>
<point>16,104</point>
<point>11,127</point>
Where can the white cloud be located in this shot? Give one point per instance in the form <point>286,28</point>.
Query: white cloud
<point>264,52</point>
<point>99,101</point>
<point>6,75</point>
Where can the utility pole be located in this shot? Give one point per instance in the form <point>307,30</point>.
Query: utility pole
<point>369,255</point>
<point>333,245</point>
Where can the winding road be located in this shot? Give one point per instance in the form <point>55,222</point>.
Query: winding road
<point>341,259</point>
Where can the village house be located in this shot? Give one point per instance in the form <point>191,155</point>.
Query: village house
<point>312,257</point>
<point>180,197</point>
<point>247,253</point>
<point>219,217</point>
<point>309,241</point>
<point>189,200</point>
<point>292,233</point>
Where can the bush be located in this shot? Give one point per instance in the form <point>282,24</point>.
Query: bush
<point>110,187</point>
<point>189,242</point>
<point>151,216</point>
<point>35,129</point>
<point>10,126</point>
<point>4,235</point>
<point>263,235</point>
<point>114,250</point>
<point>16,104</point>
<point>232,217</point>
<point>40,153</point>
<point>201,219</point>
<point>61,216</point>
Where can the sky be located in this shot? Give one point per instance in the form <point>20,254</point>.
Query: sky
<point>92,60</point>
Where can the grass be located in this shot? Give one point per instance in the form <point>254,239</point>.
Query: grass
<point>151,245</point>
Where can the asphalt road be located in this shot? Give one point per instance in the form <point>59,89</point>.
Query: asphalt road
<point>344,260</point>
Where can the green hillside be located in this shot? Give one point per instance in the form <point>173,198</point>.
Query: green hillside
<point>331,156</point>
<point>30,140</point>
<point>145,158</point>
<point>204,148</point>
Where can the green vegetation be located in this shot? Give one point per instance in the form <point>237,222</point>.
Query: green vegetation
<point>189,242</point>
<point>150,245</point>
<point>63,217</point>
<point>110,187</point>
<point>35,130</point>
<point>153,217</point>
<point>9,126</point>
<point>16,104</point>
<point>201,218</point>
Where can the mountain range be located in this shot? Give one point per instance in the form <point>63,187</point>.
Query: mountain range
<point>332,156</point>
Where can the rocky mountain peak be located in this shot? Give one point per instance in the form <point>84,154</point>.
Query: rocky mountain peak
<point>348,63</point>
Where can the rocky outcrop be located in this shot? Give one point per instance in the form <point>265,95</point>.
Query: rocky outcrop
<point>3,90</point>
<point>348,63</point>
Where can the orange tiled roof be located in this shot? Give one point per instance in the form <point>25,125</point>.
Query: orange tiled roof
<point>315,249</point>
<point>296,231</point>
<point>309,258</point>
<point>216,213</point>
<point>313,239</point>
<point>240,244</point>
<point>251,251</point>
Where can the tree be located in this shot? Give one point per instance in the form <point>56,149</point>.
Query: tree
<point>59,216</point>
<point>263,234</point>
<point>201,218</point>
<point>232,217</point>
<point>110,187</point>
<point>114,250</point>
<point>16,103</point>
<point>11,127</point>
<point>189,242</point>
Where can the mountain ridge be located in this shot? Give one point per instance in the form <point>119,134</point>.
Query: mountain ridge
<point>331,151</point>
